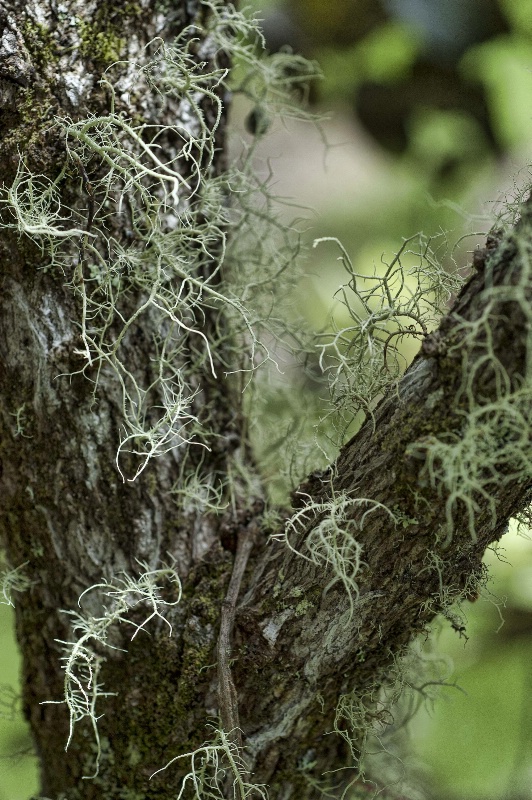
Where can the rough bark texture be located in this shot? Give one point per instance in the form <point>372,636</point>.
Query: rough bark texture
<point>410,572</point>
<point>68,516</point>
<point>65,509</point>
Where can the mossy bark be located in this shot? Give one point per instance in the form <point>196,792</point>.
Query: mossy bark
<point>66,512</point>
<point>298,644</point>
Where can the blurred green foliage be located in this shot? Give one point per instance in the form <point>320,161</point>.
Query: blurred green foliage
<point>478,743</point>
<point>18,767</point>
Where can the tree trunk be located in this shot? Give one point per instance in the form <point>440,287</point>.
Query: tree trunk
<point>89,352</point>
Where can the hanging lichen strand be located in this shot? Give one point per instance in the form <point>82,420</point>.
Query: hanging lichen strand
<point>157,186</point>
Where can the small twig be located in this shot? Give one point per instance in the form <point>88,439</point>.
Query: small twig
<point>227,699</point>
<point>90,193</point>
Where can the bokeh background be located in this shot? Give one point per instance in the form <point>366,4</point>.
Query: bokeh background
<point>426,125</point>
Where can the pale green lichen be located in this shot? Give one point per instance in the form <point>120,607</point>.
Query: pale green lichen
<point>81,662</point>
<point>490,440</point>
<point>175,219</point>
<point>370,720</point>
<point>180,219</point>
<point>218,771</point>
<point>324,534</point>
<point>12,581</point>
<point>492,444</point>
<point>150,234</point>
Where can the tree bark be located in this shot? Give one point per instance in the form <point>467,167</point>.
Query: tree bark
<point>262,637</point>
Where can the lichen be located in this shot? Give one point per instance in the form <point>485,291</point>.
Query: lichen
<point>403,300</point>
<point>40,43</point>
<point>12,580</point>
<point>176,229</point>
<point>82,661</point>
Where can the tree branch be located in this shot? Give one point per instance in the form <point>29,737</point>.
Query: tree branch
<point>424,488</point>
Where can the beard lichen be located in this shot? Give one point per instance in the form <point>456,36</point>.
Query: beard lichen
<point>154,233</point>
<point>218,771</point>
<point>492,446</point>
<point>82,658</point>
<point>146,232</point>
